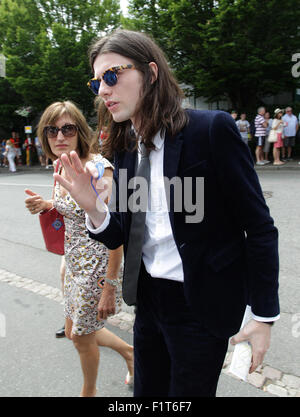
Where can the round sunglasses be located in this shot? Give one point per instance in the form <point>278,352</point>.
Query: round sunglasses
<point>67,130</point>
<point>110,77</point>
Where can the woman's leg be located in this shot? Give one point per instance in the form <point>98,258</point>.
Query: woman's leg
<point>276,153</point>
<point>61,332</point>
<point>68,328</point>
<point>62,274</point>
<point>12,165</point>
<point>108,339</point>
<point>88,350</point>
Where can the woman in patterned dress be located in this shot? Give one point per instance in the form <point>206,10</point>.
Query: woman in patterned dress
<point>92,271</point>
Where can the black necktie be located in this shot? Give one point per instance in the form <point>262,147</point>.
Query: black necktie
<point>136,237</point>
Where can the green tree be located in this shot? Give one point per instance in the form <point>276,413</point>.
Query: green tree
<point>151,17</point>
<point>22,25</point>
<point>248,48</point>
<point>233,49</point>
<point>46,43</point>
<point>9,102</point>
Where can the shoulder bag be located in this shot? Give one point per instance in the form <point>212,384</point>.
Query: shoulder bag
<point>272,138</point>
<point>53,228</point>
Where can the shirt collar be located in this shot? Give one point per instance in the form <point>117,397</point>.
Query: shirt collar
<point>158,140</point>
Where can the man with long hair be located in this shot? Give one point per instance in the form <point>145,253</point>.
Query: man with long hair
<point>197,255</point>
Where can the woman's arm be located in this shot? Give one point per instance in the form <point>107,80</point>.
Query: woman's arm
<point>35,203</point>
<point>107,303</point>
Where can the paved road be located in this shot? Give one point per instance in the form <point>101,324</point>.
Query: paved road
<point>34,363</point>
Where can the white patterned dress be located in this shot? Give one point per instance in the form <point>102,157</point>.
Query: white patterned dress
<point>86,265</point>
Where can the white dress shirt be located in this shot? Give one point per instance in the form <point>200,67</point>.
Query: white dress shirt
<point>160,253</point>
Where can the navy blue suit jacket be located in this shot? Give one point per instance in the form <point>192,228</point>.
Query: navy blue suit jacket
<point>230,258</point>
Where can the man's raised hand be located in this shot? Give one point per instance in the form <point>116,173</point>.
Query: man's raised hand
<point>78,183</point>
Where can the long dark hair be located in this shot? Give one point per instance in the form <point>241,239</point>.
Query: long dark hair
<point>160,105</point>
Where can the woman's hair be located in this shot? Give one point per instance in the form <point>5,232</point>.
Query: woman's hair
<point>8,142</point>
<point>54,112</point>
<point>160,102</point>
<point>277,114</point>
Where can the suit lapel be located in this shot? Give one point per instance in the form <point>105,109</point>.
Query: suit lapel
<point>130,163</point>
<point>172,153</point>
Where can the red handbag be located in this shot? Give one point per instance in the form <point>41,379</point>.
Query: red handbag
<point>53,229</point>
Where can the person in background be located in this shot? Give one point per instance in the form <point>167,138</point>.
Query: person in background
<point>289,133</point>
<point>10,154</point>
<point>28,145</point>
<point>12,138</point>
<point>3,157</point>
<point>48,163</point>
<point>40,151</point>
<point>278,125</point>
<point>101,132</point>
<point>18,149</point>
<point>93,272</point>
<point>234,114</point>
<point>244,127</point>
<point>267,144</point>
<point>260,135</point>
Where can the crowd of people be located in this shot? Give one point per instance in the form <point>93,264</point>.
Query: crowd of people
<point>285,126</point>
<point>16,152</point>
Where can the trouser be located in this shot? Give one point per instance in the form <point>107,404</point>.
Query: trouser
<point>11,161</point>
<point>175,355</point>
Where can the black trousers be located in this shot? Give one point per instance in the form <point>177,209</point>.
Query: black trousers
<point>175,355</point>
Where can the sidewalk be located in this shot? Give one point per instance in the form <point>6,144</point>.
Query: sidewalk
<point>290,165</point>
<point>265,381</point>
<point>25,169</point>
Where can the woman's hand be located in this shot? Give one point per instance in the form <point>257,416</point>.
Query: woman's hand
<point>107,303</point>
<point>35,203</point>
<point>79,186</point>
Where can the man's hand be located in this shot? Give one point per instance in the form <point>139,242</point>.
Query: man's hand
<point>259,335</point>
<point>107,303</point>
<point>78,184</point>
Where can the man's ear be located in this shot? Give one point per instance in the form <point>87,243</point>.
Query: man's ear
<point>154,71</point>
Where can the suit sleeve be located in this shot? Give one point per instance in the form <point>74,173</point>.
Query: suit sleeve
<point>112,235</point>
<point>244,199</point>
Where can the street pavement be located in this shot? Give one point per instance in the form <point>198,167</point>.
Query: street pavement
<point>33,363</point>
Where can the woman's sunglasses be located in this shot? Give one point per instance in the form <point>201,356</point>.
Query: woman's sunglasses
<point>67,130</point>
<point>110,77</point>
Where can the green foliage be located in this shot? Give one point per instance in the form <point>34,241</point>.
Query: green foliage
<point>9,102</point>
<point>233,49</point>
<point>46,43</point>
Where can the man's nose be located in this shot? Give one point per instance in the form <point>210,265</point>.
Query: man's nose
<point>104,89</point>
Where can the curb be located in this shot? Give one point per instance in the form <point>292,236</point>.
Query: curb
<point>288,166</point>
<point>265,377</point>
